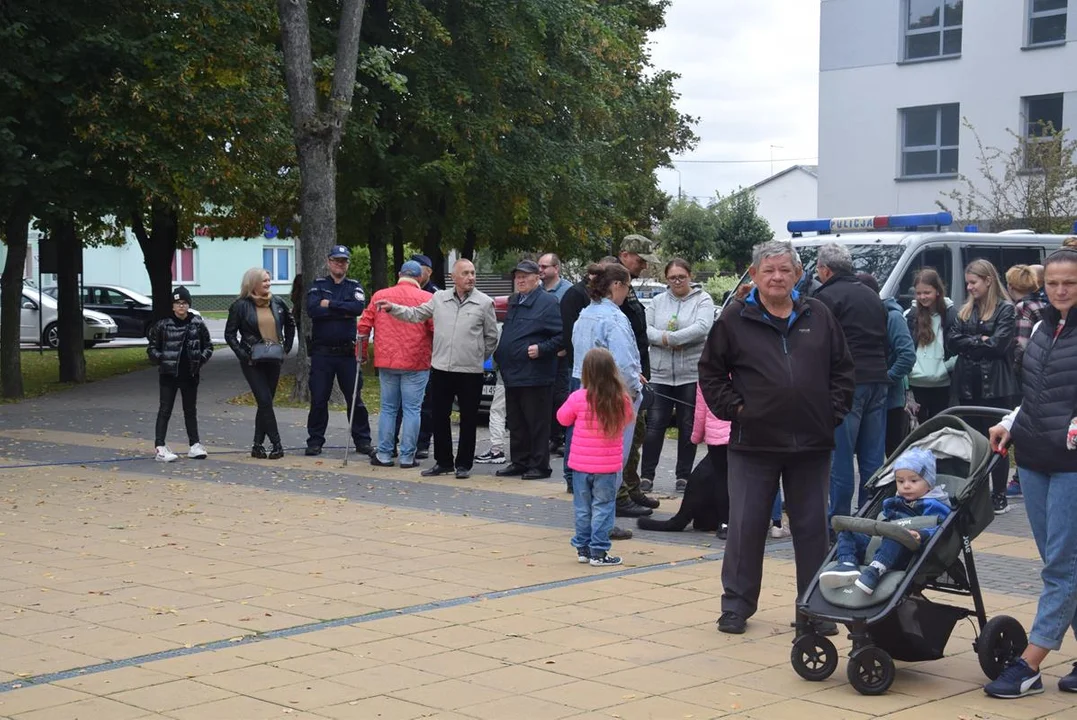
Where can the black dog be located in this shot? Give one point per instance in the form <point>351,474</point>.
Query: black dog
<point>704,498</point>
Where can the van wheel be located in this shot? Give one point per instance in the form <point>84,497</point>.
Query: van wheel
<point>50,336</point>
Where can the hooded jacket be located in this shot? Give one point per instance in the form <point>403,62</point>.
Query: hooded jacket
<point>934,362</point>
<point>168,337</point>
<point>901,356</point>
<point>785,390</point>
<point>685,322</point>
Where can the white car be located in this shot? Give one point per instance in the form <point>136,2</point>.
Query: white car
<point>38,322</point>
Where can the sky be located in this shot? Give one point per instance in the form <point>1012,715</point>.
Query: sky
<point>750,74</point>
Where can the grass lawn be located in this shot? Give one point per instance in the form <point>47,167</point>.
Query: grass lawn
<point>371,393</point>
<point>214,314</point>
<point>40,370</point>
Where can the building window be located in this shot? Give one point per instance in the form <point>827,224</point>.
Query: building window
<point>278,263</point>
<point>929,138</point>
<point>932,28</point>
<point>1046,21</point>
<point>1043,123</point>
<point>183,266</point>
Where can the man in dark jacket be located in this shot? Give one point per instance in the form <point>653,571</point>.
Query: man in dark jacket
<point>862,317</point>
<point>637,253</point>
<point>526,357</point>
<point>776,365</point>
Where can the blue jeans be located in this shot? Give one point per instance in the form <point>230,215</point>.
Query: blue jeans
<point>852,547</point>
<point>574,384</point>
<point>776,511</point>
<point>594,498</point>
<point>400,390</point>
<point>1051,503</point>
<point>863,433</point>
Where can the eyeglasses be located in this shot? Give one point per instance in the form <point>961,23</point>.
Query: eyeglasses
<point>677,278</point>
<point>339,261</point>
<point>545,267</point>
<point>180,302</point>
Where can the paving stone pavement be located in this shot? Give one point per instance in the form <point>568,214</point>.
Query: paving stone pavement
<point>240,588</point>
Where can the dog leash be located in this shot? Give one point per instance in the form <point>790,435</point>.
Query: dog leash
<point>670,397</point>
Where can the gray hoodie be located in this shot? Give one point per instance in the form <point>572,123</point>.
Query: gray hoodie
<point>685,322</point>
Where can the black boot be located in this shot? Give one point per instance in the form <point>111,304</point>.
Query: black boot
<point>277,452</point>
<point>258,451</point>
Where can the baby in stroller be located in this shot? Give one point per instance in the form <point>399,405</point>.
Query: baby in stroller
<point>917,496</point>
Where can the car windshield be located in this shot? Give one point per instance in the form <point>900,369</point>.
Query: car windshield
<point>879,260</point>
<point>136,296</point>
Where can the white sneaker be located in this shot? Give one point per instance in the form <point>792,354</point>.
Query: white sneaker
<point>779,532</point>
<point>197,452</point>
<point>165,455</point>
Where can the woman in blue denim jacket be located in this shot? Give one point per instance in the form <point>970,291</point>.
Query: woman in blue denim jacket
<point>602,324</point>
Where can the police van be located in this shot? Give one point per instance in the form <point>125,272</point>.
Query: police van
<point>894,248</point>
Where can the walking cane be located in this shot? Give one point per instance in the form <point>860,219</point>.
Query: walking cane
<point>355,390</point>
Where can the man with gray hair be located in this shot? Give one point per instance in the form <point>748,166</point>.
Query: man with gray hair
<point>862,316</point>
<point>776,366</point>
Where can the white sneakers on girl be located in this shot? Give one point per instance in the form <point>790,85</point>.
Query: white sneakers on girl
<point>165,455</point>
<point>197,452</point>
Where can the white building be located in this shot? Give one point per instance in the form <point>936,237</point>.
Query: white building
<point>898,76</point>
<point>791,194</point>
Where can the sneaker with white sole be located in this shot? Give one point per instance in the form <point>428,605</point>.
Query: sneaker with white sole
<point>197,452</point>
<point>605,560</point>
<point>165,455</point>
<point>778,533</point>
<point>1017,680</point>
<point>841,575</point>
<point>491,457</point>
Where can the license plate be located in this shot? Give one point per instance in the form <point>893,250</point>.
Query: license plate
<point>487,389</point>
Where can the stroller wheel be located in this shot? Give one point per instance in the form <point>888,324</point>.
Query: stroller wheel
<point>871,670</point>
<point>1001,640</point>
<point>814,657</point>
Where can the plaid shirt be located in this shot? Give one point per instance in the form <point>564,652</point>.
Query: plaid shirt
<point>1028,311</point>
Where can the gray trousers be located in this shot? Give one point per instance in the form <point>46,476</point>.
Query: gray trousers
<point>753,484</point>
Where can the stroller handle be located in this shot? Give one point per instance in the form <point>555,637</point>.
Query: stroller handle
<point>979,411</point>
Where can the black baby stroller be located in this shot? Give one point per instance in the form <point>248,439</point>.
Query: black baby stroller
<point>897,622</point>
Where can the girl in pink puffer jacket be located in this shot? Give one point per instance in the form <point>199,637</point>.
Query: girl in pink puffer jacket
<point>715,433</point>
<point>709,429</point>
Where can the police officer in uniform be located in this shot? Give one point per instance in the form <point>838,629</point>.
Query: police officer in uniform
<point>333,305</point>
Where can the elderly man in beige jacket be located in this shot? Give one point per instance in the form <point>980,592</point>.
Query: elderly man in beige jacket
<point>465,335</point>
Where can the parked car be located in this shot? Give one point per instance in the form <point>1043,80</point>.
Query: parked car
<point>38,322</point>
<point>131,310</point>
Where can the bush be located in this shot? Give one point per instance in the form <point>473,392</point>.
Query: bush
<point>719,285</point>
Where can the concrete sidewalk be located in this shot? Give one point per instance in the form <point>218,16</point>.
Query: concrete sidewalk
<point>241,589</point>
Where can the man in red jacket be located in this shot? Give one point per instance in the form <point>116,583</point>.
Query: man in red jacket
<point>402,353</point>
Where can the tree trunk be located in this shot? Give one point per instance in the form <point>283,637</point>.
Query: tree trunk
<point>158,251</point>
<point>70,321</point>
<point>398,246</point>
<point>432,246</point>
<point>379,273</point>
<point>317,133</point>
<point>468,250</point>
<point>16,230</point>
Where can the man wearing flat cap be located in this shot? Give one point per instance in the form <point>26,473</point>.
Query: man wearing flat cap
<point>526,357</point>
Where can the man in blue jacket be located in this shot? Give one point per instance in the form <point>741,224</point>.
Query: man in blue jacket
<point>333,305</point>
<point>527,360</point>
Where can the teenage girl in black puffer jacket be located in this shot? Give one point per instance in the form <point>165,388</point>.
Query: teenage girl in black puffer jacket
<point>179,345</point>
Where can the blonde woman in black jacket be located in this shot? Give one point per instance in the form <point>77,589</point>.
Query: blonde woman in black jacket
<point>983,339</point>
<point>260,330</point>
<point>180,346</point>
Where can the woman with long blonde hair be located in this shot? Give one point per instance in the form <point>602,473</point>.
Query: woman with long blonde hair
<point>260,330</point>
<point>982,338</point>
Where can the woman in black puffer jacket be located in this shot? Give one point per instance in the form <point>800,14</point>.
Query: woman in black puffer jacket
<point>260,330</point>
<point>180,346</point>
<point>982,338</point>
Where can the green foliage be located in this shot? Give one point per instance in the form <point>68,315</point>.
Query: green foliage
<point>1031,185</point>
<point>740,228</point>
<point>718,285</point>
<point>689,231</point>
<point>359,267</point>
<point>39,371</point>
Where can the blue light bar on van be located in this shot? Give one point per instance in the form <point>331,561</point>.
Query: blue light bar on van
<point>869,222</point>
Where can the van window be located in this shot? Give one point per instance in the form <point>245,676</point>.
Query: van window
<point>938,257</point>
<point>1003,258</point>
<point>879,260</point>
